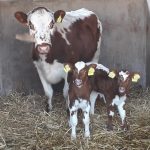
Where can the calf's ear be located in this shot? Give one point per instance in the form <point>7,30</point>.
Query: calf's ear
<point>21,17</point>
<point>91,69</point>
<point>135,77</point>
<point>67,67</point>
<point>59,15</point>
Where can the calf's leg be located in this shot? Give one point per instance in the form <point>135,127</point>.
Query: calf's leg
<point>122,114</point>
<point>73,122</point>
<point>86,120</point>
<point>93,97</point>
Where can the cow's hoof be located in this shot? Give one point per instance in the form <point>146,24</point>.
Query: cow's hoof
<point>109,127</point>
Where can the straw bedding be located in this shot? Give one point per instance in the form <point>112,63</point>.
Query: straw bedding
<point>25,125</point>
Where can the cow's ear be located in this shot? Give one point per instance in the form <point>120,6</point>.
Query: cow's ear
<point>135,77</point>
<point>91,69</point>
<point>67,68</point>
<point>59,15</point>
<point>112,74</point>
<point>21,17</point>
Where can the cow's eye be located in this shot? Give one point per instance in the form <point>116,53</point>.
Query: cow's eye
<point>31,25</point>
<point>51,25</point>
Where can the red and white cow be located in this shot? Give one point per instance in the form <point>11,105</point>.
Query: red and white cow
<point>61,37</point>
<point>79,94</point>
<point>114,86</point>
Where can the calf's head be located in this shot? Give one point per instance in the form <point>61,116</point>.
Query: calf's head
<point>80,72</point>
<point>41,23</point>
<point>125,78</point>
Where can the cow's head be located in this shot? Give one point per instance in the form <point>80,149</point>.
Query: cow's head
<point>125,78</point>
<point>41,24</point>
<point>80,72</point>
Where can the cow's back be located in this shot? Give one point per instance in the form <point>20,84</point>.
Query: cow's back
<point>77,38</point>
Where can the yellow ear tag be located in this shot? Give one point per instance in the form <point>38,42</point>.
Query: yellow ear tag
<point>67,68</point>
<point>135,78</point>
<point>112,74</point>
<point>59,19</point>
<point>91,71</point>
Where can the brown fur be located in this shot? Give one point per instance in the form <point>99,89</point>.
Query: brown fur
<point>83,37</point>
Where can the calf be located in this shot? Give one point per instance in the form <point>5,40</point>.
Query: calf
<point>61,37</point>
<point>115,87</point>
<point>79,94</point>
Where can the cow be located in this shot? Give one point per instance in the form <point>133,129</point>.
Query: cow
<point>114,86</point>
<point>61,37</point>
<point>79,94</point>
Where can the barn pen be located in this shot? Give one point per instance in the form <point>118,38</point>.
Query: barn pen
<point>24,123</point>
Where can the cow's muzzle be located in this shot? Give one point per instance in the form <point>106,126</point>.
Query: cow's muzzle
<point>43,48</point>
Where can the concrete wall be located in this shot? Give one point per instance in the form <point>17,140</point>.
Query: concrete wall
<point>148,45</point>
<point>124,39</point>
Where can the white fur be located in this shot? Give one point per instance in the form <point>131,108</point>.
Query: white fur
<point>111,113</point>
<point>120,102</point>
<point>125,75</point>
<point>93,97</point>
<point>53,73</point>
<point>41,20</point>
<point>85,106</point>
<point>50,74</point>
<point>102,67</point>
<point>99,66</point>
<point>80,65</point>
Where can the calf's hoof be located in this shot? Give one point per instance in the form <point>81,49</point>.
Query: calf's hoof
<point>87,136</point>
<point>48,108</point>
<point>125,127</point>
<point>73,137</point>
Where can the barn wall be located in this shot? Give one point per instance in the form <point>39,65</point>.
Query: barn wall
<point>123,40</point>
<point>148,45</point>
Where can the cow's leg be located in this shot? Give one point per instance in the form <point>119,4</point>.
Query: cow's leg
<point>97,54</point>
<point>86,120</point>
<point>122,114</point>
<point>65,91</point>
<point>47,89</point>
<point>73,122</point>
<point>93,97</point>
<point>110,113</point>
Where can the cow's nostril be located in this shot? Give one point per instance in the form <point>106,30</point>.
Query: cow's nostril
<point>43,49</point>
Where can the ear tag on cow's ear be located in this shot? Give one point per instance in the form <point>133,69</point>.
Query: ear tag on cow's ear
<point>59,19</point>
<point>91,71</point>
<point>67,68</point>
<point>136,77</point>
<point>112,74</point>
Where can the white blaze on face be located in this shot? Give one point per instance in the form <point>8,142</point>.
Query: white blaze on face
<point>125,75</point>
<point>80,65</point>
<point>41,20</point>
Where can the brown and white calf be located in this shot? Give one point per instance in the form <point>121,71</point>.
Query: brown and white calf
<point>114,86</point>
<point>79,94</point>
<point>61,37</point>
